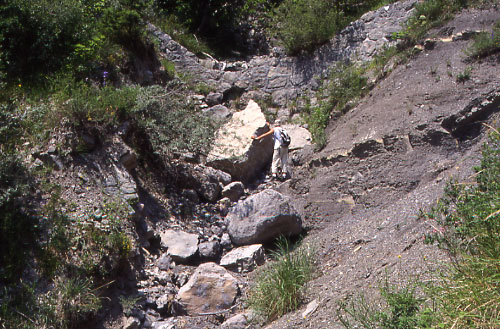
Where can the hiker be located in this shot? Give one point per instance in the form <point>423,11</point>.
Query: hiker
<point>280,154</point>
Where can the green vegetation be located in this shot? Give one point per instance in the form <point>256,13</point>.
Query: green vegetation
<point>467,224</point>
<point>399,309</point>
<point>485,43</point>
<point>346,83</point>
<point>303,25</point>
<point>280,285</point>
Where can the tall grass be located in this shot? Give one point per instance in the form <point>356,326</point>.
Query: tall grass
<point>280,285</point>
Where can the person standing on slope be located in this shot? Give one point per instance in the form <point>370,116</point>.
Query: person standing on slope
<point>280,154</point>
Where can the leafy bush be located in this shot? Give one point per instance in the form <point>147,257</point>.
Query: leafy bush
<point>218,23</point>
<point>303,25</point>
<point>71,302</point>
<point>37,37</point>
<point>171,122</point>
<point>280,285</point>
<point>18,227</point>
<point>85,104</point>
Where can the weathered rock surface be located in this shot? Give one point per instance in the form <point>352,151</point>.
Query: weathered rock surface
<point>283,77</point>
<point>244,259</point>
<point>181,246</point>
<point>206,181</point>
<point>210,289</point>
<point>235,152</point>
<point>300,137</point>
<point>262,217</point>
<point>239,321</point>
<point>233,191</point>
<point>209,250</point>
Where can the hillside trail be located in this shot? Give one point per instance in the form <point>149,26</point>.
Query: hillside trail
<point>386,160</point>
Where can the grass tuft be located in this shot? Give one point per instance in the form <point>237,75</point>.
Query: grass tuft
<point>280,284</point>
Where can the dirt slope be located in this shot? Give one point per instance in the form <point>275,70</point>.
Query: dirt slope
<point>388,158</point>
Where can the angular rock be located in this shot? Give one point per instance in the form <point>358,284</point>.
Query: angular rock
<point>167,324</point>
<point>262,217</point>
<point>235,152</point>
<point>181,246</point>
<point>213,99</point>
<point>210,289</point>
<point>301,137</point>
<point>244,259</point>
<point>206,181</point>
<point>129,160</point>
<point>209,250</point>
<point>233,191</point>
<point>130,323</point>
<point>238,321</point>
<point>164,262</point>
<point>217,112</point>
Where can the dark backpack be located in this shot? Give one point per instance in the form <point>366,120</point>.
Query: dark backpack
<point>285,138</point>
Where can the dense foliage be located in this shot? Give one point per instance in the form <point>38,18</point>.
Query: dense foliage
<point>303,25</point>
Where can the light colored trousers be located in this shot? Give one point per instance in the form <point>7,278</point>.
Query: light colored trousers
<point>280,159</point>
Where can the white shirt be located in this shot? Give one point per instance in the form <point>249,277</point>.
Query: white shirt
<point>277,137</point>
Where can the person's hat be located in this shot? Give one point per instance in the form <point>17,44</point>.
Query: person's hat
<point>277,122</point>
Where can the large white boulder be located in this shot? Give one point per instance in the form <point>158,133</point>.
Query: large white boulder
<point>235,152</point>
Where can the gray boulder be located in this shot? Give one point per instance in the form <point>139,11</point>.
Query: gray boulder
<point>206,181</point>
<point>210,289</point>
<point>233,191</point>
<point>213,99</point>
<point>239,321</point>
<point>243,259</point>
<point>217,112</point>
<point>262,217</point>
<point>209,250</point>
<point>181,246</point>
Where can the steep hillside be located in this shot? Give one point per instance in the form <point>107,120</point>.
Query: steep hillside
<point>386,160</point>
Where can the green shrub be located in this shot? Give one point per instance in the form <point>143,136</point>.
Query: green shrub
<point>37,37</point>
<point>18,226</point>
<point>87,105</point>
<point>485,43</point>
<point>346,83</point>
<point>68,304</point>
<point>398,308</point>
<point>171,122</point>
<point>280,284</point>
<point>304,24</point>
